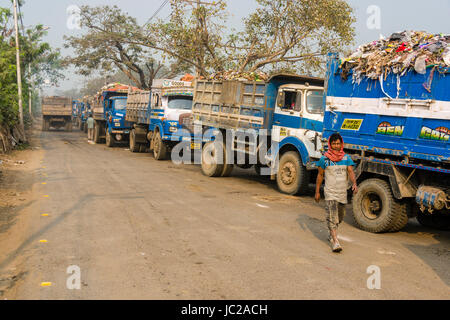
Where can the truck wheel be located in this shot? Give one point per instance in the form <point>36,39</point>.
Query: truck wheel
<point>292,176</point>
<point>85,127</point>
<point>69,126</point>
<point>159,148</point>
<point>227,167</point>
<point>434,220</point>
<point>376,210</point>
<point>142,148</point>
<point>109,139</point>
<point>211,165</point>
<point>134,147</point>
<point>81,126</point>
<point>244,166</point>
<point>96,133</point>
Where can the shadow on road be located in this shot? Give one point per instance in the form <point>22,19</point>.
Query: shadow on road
<point>84,200</point>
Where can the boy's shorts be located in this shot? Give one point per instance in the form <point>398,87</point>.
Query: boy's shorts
<point>335,213</point>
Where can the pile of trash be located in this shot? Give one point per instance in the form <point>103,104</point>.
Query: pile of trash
<point>241,76</point>
<point>398,54</point>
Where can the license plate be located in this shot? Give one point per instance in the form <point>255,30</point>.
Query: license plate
<point>196,146</point>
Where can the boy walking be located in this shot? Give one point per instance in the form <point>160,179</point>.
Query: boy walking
<point>336,167</point>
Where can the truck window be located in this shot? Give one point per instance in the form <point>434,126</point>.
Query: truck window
<point>156,100</point>
<point>120,104</point>
<point>314,101</point>
<point>290,101</point>
<point>180,102</point>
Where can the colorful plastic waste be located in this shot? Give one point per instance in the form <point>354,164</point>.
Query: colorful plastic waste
<point>398,54</point>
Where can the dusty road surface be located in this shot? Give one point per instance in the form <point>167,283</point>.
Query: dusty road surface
<point>135,228</point>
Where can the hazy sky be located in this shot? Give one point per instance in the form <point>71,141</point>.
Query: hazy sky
<point>395,15</point>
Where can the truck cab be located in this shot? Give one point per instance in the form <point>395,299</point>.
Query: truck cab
<point>170,106</point>
<point>299,114</point>
<point>117,129</point>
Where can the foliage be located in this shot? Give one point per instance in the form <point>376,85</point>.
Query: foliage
<point>102,47</point>
<point>36,56</point>
<point>292,34</point>
<point>194,39</point>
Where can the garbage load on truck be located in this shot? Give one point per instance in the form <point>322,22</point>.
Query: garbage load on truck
<point>390,101</point>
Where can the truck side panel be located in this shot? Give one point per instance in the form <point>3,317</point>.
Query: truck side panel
<point>416,124</point>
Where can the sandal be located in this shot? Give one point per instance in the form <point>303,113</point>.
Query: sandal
<point>335,246</point>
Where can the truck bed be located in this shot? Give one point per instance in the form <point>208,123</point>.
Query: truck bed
<point>230,104</point>
<point>397,117</point>
<point>56,106</point>
<point>137,107</point>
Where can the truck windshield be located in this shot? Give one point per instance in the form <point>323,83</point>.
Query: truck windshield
<point>314,101</point>
<point>180,102</point>
<point>120,104</point>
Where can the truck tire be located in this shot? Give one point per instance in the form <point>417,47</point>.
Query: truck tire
<point>292,176</point>
<point>81,126</point>
<point>142,148</point>
<point>134,147</point>
<point>376,210</point>
<point>96,133</point>
<point>434,220</point>
<point>69,126</point>
<point>227,167</point>
<point>210,165</point>
<point>109,139</point>
<point>159,148</point>
<point>45,125</point>
<point>244,166</point>
<point>85,127</point>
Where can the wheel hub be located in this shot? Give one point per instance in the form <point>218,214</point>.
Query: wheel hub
<point>288,173</point>
<point>372,206</point>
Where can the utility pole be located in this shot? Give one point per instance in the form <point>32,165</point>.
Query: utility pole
<point>19,74</point>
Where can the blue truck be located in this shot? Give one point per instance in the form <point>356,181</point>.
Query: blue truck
<point>397,130</point>
<point>274,126</point>
<point>157,117</point>
<point>83,113</point>
<point>109,115</point>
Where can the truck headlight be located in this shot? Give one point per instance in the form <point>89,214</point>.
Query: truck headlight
<point>173,129</point>
<point>118,137</point>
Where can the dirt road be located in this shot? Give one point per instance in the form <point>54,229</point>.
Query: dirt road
<point>136,228</point>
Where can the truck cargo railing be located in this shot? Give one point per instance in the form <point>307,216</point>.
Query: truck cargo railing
<point>230,104</point>
<point>137,105</point>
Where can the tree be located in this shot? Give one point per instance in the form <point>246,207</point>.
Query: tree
<point>293,35</point>
<point>103,47</point>
<point>194,39</point>
<point>44,62</point>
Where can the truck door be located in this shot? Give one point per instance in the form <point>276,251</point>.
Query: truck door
<point>287,113</point>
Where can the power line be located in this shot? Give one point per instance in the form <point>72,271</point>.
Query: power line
<point>157,11</point>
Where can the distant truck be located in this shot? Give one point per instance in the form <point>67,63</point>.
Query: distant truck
<point>56,113</point>
<point>84,111</point>
<point>158,115</point>
<point>400,145</point>
<point>109,110</point>
<point>285,115</point>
